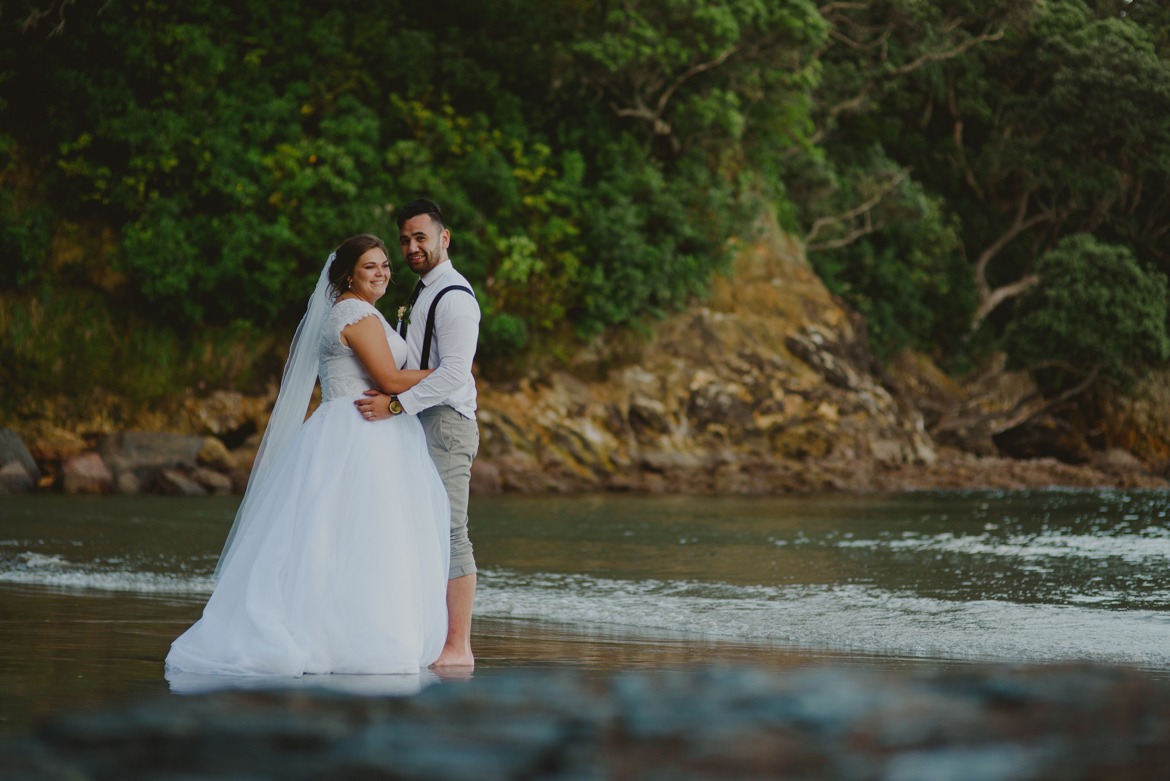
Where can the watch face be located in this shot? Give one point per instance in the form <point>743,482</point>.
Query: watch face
<point>396,406</point>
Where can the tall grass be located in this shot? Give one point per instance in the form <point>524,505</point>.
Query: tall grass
<point>77,342</point>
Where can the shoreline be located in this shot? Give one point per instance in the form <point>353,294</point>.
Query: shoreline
<point>167,463</point>
<point>952,471</point>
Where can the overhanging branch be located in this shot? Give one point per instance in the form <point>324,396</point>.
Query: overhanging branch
<point>1021,417</point>
<point>999,295</point>
<point>852,214</point>
<point>1018,226</point>
<point>867,228</point>
<point>858,100</point>
<point>946,54</point>
<point>654,116</point>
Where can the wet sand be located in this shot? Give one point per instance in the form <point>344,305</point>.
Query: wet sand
<point>63,650</point>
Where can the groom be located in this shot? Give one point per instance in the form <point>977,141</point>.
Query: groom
<point>441,322</point>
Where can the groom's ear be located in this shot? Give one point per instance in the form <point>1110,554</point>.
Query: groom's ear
<point>445,238</point>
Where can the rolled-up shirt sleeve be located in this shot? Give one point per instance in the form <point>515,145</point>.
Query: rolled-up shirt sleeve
<point>452,353</point>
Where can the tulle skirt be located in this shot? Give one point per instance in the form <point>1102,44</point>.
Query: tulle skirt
<point>342,564</point>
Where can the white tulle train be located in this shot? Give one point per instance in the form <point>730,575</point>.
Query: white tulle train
<point>343,568</point>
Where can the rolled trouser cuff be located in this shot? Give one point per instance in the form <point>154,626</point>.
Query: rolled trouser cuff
<point>462,569</point>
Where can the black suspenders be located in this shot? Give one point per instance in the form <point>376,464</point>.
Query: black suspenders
<point>429,332</point>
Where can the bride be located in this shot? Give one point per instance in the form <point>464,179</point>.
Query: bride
<point>337,561</point>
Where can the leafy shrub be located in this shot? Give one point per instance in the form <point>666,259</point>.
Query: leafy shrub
<point>1093,306</point>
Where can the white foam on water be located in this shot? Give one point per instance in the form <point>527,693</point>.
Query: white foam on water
<point>55,571</point>
<point>844,617</point>
<point>1133,548</point>
<point>35,560</point>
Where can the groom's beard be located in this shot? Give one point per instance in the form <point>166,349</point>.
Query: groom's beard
<point>424,264</point>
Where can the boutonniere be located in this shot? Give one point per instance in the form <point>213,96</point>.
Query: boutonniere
<point>404,314</point>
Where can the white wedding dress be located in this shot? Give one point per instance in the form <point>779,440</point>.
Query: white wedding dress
<point>342,566</point>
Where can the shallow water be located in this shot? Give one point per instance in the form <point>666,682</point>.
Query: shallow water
<point>92,589</point>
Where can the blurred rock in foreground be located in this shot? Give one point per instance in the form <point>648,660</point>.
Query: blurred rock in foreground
<point>989,723</point>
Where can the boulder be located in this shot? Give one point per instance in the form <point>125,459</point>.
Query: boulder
<point>146,453</point>
<point>212,481</point>
<point>127,483</point>
<point>47,442</point>
<point>227,414</point>
<point>18,470</point>
<point>1116,461</point>
<point>171,482</point>
<point>15,479</point>
<point>86,474</point>
<point>215,455</point>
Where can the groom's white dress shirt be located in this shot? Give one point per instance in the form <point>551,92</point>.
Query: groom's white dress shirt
<point>452,346</point>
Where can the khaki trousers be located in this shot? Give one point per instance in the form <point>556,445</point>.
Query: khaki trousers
<point>453,441</point>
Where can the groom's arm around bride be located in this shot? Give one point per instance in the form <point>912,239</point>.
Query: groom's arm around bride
<point>446,400</point>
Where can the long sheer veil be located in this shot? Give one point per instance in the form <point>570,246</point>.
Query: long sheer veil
<point>296,388</point>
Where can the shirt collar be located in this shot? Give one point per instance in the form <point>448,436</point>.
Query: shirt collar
<point>436,273</point>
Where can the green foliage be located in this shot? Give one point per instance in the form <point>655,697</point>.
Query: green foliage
<point>232,147</point>
<point>522,239</point>
<point>1094,306</point>
<point>74,341</point>
<point>910,279</point>
<point>878,232</point>
<point>594,158</point>
<point>26,226</point>
<point>1020,122</point>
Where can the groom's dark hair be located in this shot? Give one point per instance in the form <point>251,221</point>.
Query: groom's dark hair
<point>422,206</point>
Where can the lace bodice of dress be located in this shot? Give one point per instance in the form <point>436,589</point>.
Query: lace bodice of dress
<point>342,374</point>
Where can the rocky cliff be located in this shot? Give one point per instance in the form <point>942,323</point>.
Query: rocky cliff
<point>769,386</point>
<point>766,386</point>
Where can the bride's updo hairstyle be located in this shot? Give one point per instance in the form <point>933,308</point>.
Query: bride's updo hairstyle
<point>341,269</point>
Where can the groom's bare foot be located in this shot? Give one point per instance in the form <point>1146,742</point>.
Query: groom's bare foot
<point>457,649</point>
<point>453,657</point>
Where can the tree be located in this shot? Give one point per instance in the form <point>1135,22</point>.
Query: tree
<point>1027,121</point>
<point>1054,130</point>
<point>878,235</point>
<point>1093,308</point>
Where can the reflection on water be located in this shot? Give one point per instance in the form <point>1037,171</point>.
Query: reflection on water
<point>92,589</point>
<point>360,685</point>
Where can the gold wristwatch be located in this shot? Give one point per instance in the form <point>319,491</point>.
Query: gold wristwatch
<point>395,406</point>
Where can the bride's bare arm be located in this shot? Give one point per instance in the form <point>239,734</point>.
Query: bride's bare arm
<point>367,339</point>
